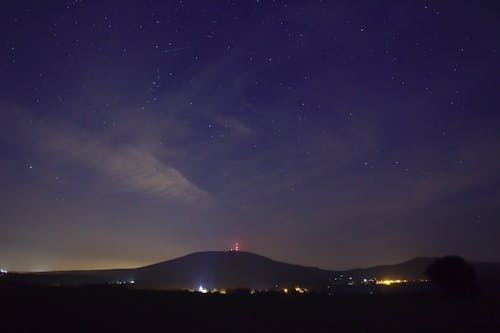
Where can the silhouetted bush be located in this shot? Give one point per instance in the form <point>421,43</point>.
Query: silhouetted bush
<point>453,275</point>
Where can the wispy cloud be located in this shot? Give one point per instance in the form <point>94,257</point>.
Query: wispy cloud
<point>234,124</point>
<point>130,168</point>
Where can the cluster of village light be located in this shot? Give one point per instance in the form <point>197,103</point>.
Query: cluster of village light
<point>123,282</point>
<point>285,290</point>
<point>204,290</point>
<point>297,289</point>
<point>350,281</point>
<point>3,271</point>
<point>301,290</point>
<point>390,282</point>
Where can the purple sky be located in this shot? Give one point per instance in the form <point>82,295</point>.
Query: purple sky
<point>336,134</point>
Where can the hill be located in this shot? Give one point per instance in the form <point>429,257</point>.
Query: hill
<point>230,270</point>
<point>414,270</point>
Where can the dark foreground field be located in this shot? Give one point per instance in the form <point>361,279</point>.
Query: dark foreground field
<point>109,309</point>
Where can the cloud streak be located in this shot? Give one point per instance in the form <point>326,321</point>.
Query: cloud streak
<point>130,168</point>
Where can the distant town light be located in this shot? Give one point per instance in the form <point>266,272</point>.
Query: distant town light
<point>300,290</point>
<point>122,282</point>
<point>3,271</point>
<point>390,282</point>
<point>202,290</point>
<point>285,290</point>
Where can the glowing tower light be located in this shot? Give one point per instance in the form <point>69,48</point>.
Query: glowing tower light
<point>235,247</point>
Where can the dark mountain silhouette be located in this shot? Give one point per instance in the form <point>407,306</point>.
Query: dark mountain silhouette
<point>211,269</point>
<point>231,270</point>
<point>414,269</point>
<point>411,270</point>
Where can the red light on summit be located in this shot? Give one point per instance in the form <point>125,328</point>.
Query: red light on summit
<point>236,247</point>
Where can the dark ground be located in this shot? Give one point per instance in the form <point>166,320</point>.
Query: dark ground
<point>115,309</point>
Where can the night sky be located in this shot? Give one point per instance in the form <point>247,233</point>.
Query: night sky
<point>336,134</point>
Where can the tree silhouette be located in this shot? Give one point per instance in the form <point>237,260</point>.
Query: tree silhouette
<point>453,275</point>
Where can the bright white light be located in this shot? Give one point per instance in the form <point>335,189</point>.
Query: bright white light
<point>3,271</point>
<point>132,281</point>
<point>202,290</point>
